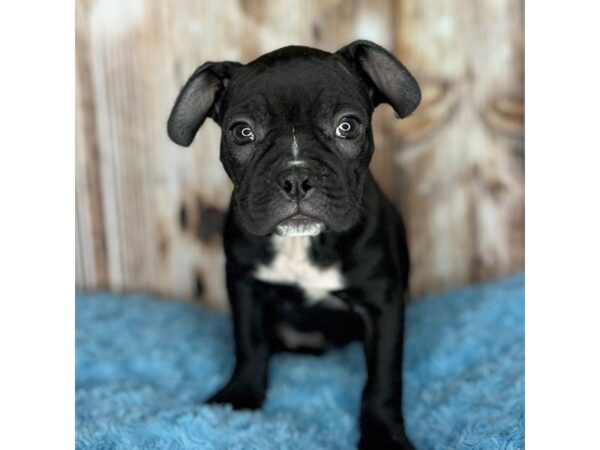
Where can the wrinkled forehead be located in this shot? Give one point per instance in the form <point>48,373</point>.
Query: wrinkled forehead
<point>296,90</point>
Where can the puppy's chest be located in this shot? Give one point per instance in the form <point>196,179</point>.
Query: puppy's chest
<point>292,265</point>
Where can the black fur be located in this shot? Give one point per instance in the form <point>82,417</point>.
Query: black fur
<point>298,95</point>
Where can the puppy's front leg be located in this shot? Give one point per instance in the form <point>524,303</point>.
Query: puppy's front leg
<point>247,386</point>
<point>381,420</point>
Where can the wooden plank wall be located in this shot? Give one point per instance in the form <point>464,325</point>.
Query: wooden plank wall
<point>149,212</point>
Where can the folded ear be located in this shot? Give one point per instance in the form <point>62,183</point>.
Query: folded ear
<point>200,97</point>
<point>390,80</point>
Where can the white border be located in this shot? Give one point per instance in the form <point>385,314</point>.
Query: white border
<point>37,227</point>
<point>562,225</point>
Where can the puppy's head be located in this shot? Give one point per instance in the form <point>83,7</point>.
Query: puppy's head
<point>296,130</point>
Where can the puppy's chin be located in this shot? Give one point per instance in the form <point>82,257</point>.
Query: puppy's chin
<point>287,220</point>
<point>300,225</point>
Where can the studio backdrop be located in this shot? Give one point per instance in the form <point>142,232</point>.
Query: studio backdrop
<point>149,213</point>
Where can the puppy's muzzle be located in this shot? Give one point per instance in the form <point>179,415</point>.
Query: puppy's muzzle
<point>296,184</point>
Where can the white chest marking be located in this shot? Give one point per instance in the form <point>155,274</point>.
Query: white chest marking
<point>292,265</point>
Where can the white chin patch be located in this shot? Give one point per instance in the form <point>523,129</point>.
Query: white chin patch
<point>299,226</point>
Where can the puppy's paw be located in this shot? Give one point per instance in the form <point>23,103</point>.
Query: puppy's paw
<point>392,441</point>
<point>240,395</point>
<point>377,434</point>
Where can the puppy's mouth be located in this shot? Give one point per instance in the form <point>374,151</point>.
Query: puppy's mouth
<point>299,225</point>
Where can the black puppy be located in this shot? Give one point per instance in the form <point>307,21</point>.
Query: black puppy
<point>316,255</point>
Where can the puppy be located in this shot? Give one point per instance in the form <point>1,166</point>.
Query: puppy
<point>316,255</point>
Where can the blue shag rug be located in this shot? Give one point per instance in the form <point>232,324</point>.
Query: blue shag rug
<point>144,367</point>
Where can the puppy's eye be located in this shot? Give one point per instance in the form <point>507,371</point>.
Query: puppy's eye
<point>242,134</point>
<point>348,128</point>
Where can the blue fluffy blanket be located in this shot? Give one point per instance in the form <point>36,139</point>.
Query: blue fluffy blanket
<point>144,367</point>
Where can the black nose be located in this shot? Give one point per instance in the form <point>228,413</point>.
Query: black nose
<point>295,184</point>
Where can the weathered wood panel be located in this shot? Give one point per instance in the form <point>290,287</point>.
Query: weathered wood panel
<point>149,212</point>
<point>460,157</point>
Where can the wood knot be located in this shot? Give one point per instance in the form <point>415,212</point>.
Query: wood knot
<point>506,116</point>
<point>210,223</point>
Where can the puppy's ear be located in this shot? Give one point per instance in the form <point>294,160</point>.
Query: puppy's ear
<point>200,97</point>
<point>389,79</point>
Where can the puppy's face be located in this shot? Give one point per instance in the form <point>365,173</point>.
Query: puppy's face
<point>296,132</point>
<point>296,142</point>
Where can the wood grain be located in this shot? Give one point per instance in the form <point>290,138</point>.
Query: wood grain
<point>460,157</point>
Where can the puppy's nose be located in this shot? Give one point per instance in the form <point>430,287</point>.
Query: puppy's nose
<point>295,184</point>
